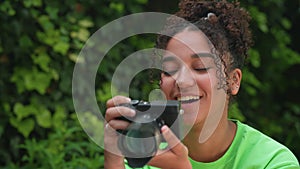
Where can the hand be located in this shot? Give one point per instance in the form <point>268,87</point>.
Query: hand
<point>176,157</point>
<point>112,156</point>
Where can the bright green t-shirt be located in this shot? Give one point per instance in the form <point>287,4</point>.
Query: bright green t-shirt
<point>250,149</point>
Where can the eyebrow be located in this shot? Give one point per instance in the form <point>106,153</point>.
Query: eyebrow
<point>168,58</point>
<point>200,55</point>
<point>197,55</point>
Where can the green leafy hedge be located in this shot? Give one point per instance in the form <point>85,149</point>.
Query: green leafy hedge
<point>39,44</point>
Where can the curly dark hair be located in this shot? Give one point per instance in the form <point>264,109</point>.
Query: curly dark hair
<point>225,24</point>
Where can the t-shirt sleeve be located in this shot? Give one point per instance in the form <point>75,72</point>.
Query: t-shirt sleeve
<point>283,159</point>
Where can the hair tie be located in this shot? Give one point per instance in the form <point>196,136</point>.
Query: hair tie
<point>211,17</point>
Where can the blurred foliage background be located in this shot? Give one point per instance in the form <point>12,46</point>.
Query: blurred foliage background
<point>39,44</point>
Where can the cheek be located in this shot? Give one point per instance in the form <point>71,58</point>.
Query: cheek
<point>205,82</point>
<point>167,85</point>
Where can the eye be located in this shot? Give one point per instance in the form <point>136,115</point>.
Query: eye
<point>201,70</point>
<point>202,65</point>
<point>169,72</point>
<point>170,68</point>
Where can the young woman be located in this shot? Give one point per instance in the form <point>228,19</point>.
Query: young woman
<point>202,69</point>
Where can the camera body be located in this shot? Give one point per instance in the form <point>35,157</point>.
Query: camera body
<point>140,141</point>
<point>161,111</point>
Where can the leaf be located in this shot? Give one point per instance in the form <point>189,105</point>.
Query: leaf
<point>25,41</point>
<point>23,111</point>
<point>52,12</point>
<point>86,23</point>
<point>45,22</point>
<point>83,34</point>
<point>142,1</point>
<point>49,37</point>
<point>43,117</point>
<point>42,59</point>
<point>254,58</point>
<point>235,112</point>
<point>17,78</point>
<point>30,3</point>
<point>119,7</point>
<point>260,18</point>
<point>58,117</point>
<point>286,23</point>
<point>7,8</point>
<point>38,81</point>
<point>61,47</point>
<point>54,74</point>
<point>37,3</point>
<point>25,127</point>
<point>73,57</point>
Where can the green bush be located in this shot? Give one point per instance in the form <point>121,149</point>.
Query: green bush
<point>39,44</point>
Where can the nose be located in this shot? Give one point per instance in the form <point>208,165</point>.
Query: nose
<point>185,78</point>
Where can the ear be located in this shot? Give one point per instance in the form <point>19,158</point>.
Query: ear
<point>235,78</point>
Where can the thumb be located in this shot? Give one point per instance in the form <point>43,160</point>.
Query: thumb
<point>175,145</point>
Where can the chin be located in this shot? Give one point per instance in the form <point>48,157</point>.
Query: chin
<point>190,117</point>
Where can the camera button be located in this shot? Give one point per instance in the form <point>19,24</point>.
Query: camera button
<point>160,122</point>
<point>134,102</point>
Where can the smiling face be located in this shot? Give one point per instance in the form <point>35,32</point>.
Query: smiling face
<point>190,76</point>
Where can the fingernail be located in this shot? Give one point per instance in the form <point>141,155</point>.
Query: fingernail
<point>164,128</point>
<point>128,99</point>
<point>132,112</point>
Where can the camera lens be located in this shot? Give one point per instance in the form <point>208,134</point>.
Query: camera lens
<point>140,140</point>
<point>137,145</point>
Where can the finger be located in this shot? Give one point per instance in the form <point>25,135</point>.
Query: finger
<point>114,112</point>
<point>109,131</point>
<point>110,140</point>
<point>118,124</point>
<point>112,127</point>
<point>117,100</point>
<point>174,143</point>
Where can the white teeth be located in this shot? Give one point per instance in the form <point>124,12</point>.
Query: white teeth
<point>187,98</point>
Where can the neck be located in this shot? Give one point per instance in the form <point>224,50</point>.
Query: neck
<point>215,146</point>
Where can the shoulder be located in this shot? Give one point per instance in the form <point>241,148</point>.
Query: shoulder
<point>262,149</point>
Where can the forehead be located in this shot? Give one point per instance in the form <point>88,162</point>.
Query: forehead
<point>189,42</point>
<point>188,45</point>
<point>204,57</point>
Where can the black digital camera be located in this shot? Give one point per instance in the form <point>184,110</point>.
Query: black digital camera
<point>140,141</point>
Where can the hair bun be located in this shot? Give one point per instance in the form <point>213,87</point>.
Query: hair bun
<point>233,19</point>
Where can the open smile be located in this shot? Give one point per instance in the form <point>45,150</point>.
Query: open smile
<point>188,99</point>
